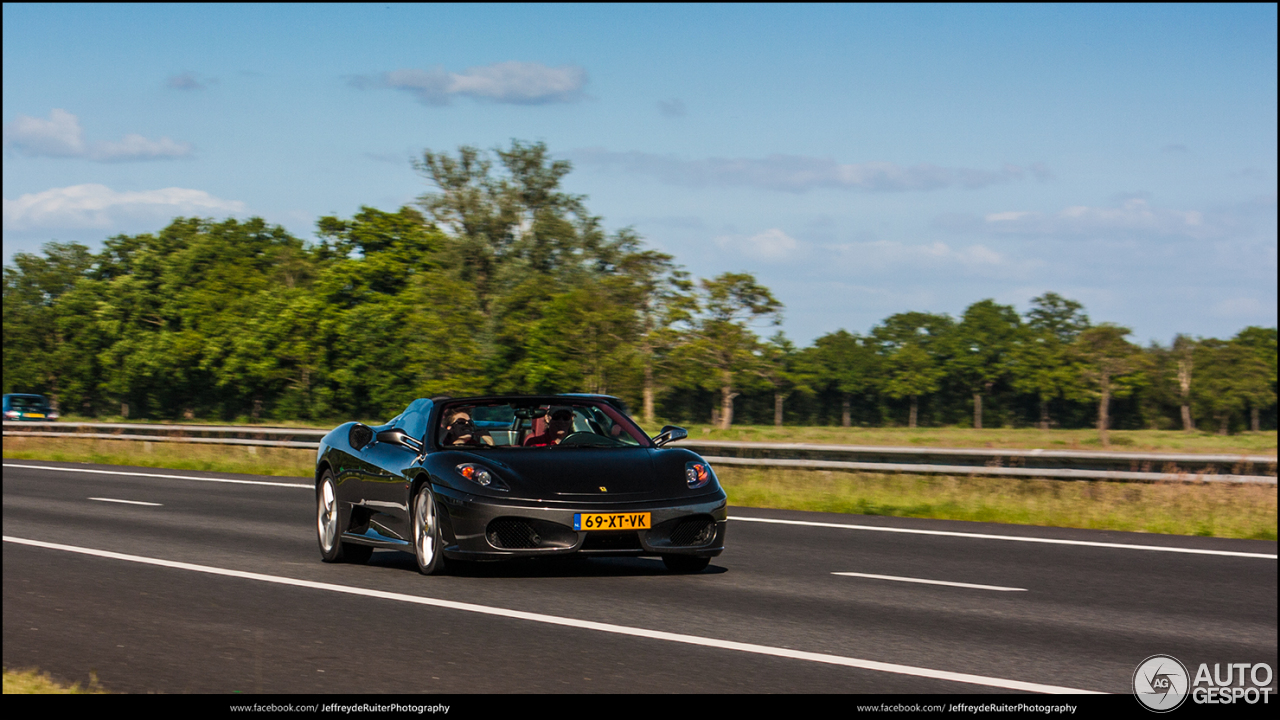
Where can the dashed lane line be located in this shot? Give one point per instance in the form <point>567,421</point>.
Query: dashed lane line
<point>931,582</point>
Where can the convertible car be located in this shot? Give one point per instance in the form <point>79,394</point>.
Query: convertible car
<point>505,477</point>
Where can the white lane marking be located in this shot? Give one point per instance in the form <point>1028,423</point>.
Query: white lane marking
<point>1016,538</point>
<point>127,502</point>
<point>980,536</point>
<point>158,475</point>
<point>572,622</point>
<point>931,582</point>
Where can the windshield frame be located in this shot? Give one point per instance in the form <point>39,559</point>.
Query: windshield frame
<point>445,408</point>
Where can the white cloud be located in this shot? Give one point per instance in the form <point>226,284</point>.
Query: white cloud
<point>521,83</point>
<point>1130,217</point>
<point>879,255</point>
<point>59,136</point>
<point>1134,216</point>
<point>1006,216</point>
<point>62,136</point>
<point>772,244</point>
<point>796,173</point>
<point>136,147</point>
<point>97,206</point>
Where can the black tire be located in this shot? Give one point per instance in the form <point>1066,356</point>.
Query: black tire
<point>330,522</point>
<point>427,547</point>
<point>685,563</point>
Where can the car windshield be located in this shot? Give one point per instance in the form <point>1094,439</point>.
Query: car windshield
<point>536,425</point>
<point>26,404</point>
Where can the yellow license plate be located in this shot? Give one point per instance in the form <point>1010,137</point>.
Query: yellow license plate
<point>611,521</point>
<point>39,415</point>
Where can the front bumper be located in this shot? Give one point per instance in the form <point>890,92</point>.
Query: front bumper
<point>486,528</point>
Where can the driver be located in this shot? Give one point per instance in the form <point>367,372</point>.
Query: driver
<point>559,424</point>
<point>460,430</point>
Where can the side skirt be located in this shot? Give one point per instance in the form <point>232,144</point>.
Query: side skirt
<point>376,539</point>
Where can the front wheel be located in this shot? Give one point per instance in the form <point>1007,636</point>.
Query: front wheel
<point>426,532</point>
<point>329,526</point>
<point>685,563</point>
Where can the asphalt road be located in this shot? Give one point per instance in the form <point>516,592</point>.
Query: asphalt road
<point>218,587</point>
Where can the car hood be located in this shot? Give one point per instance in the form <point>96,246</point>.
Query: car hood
<point>578,472</point>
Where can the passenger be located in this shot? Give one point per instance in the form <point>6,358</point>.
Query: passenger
<point>460,430</point>
<point>559,424</point>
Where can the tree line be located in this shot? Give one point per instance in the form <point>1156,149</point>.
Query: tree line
<point>499,281</point>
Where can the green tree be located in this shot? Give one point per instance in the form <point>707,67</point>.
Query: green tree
<point>519,240</point>
<point>1261,342</point>
<point>913,351</point>
<point>724,353</point>
<point>909,371</point>
<point>983,342</point>
<point>501,228</point>
<point>1060,317</point>
<point>38,330</point>
<point>786,371</point>
<point>394,323</point>
<point>1039,362</point>
<point>1110,367</point>
<point>661,295</point>
<point>174,305</point>
<point>843,363</point>
<point>1230,378</point>
<point>584,340</point>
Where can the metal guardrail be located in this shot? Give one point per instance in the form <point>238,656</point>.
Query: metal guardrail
<point>1056,464</point>
<point>986,471</point>
<point>993,458</point>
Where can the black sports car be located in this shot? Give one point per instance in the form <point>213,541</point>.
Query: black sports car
<point>502,477</point>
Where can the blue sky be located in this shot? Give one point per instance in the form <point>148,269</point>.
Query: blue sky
<point>859,160</point>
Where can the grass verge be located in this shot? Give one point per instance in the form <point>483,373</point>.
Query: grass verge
<point>1208,509</point>
<point>247,459</point>
<point>34,682</point>
<point>1168,441</point>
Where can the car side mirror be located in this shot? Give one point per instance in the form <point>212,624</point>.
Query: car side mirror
<point>670,433</point>
<point>396,436</point>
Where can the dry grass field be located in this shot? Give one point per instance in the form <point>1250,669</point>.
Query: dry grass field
<point>34,682</point>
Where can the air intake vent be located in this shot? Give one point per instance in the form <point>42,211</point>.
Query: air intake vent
<point>513,534</point>
<point>694,533</point>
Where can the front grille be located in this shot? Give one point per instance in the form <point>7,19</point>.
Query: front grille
<point>513,534</point>
<point>694,533</point>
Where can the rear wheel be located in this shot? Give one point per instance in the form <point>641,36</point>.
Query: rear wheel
<point>426,532</point>
<point>329,525</point>
<point>685,563</point>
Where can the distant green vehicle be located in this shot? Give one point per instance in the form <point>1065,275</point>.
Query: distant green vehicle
<point>20,406</point>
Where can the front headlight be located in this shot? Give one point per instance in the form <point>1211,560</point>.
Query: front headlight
<point>481,476</point>
<point>697,474</point>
